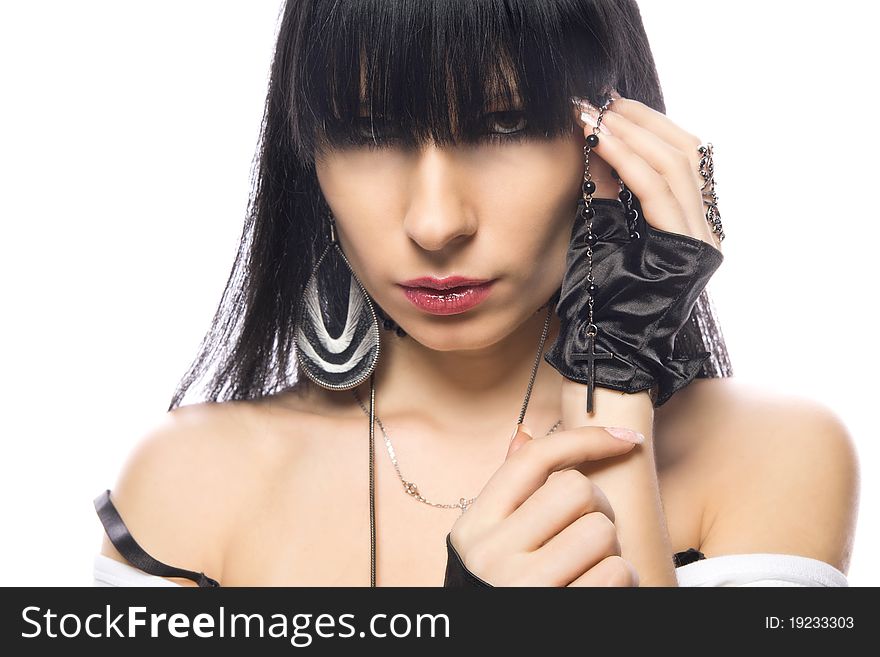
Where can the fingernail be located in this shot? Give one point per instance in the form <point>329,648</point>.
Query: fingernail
<point>590,117</point>
<point>587,113</point>
<point>626,434</point>
<point>513,435</point>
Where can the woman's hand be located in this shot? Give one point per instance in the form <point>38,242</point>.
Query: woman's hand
<point>540,522</point>
<point>658,160</point>
<point>647,282</point>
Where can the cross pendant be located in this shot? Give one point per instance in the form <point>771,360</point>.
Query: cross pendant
<point>591,357</point>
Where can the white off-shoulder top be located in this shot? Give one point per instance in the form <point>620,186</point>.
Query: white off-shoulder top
<point>758,569</point>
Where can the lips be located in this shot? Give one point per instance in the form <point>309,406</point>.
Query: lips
<point>446,296</point>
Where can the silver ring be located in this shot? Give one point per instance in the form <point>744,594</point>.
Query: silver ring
<point>710,198</point>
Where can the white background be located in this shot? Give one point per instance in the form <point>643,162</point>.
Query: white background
<point>127,132</point>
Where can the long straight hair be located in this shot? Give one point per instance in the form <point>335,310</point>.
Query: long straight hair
<point>428,70</point>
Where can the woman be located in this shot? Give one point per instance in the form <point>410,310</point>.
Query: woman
<point>522,148</point>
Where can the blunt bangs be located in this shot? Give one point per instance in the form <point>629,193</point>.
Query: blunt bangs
<point>433,69</point>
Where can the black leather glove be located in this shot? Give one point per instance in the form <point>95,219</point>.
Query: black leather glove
<point>647,288</point>
<point>457,574</point>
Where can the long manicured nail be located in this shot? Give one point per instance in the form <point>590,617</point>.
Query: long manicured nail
<point>626,434</point>
<point>590,116</point>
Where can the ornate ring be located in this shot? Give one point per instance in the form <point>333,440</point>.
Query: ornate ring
<point>710,198</point>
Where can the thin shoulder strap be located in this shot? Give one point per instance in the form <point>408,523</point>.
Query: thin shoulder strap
<point>128,547</point>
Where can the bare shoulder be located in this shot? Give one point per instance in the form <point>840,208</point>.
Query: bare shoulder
<point>785,474</point>
<point>190,476</point>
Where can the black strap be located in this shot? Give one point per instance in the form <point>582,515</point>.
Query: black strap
<point>687,556</point>
<point>457,574</point>
<point>128,547</point>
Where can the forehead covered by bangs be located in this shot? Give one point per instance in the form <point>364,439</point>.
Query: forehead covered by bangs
<point>433,68</point>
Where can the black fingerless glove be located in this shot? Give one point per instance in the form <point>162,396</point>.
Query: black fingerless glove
<point>647,288</point>
<point>457,574</point>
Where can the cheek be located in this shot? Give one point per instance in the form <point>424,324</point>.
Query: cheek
<point>355,179</point>
<point>535,200</point>
<point>543,174</point>
<point>358,190</point>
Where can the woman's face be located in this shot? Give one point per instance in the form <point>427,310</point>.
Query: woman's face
<point>499,211</point>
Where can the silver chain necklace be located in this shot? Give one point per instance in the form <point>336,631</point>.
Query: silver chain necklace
<point>411,488</point>
<point>463,503</point>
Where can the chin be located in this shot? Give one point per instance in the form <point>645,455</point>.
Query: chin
<point>465,332</point>
<point>451,338</point>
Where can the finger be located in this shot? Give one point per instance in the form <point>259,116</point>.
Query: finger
<point>529,467</point>
<point>611,571</point>
<point>669,162</point>
<point>581,546</point>
<point>522,436</point>
<point>660,205</point>
<point>577,548</point>
<point>566,496</point>
<point>662,126</point>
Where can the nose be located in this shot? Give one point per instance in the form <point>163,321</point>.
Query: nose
<point>438,215</point>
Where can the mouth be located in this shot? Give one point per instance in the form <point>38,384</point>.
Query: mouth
<point>448,296</point>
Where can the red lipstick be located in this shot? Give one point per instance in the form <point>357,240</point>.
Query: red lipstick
<point>446,296</point>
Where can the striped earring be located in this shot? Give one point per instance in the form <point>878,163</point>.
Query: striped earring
<point>337,331</point>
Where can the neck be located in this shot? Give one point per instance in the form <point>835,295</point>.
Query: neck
<point>469,391</point>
